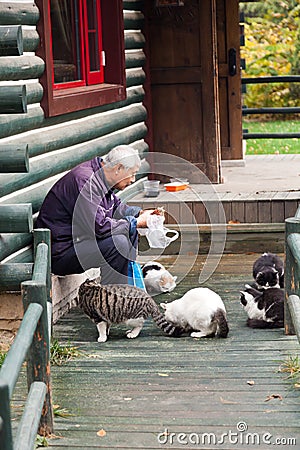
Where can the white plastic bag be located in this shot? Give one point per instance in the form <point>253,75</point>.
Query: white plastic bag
<point>156,233</point>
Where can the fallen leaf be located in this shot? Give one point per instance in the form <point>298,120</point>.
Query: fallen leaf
<point>227,402</point>
<point>272,396</point>
<point>127,398</point>
<point>251,382</point>
<point>163,374</point>
<point>101,433</point>
<point>297,385</point>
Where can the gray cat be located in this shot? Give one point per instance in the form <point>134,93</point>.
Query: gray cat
<point>112,304</point>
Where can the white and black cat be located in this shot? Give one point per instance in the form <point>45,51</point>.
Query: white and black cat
<point>200,311</point>
<point>265,308</point>
<point>268,271</point>
<point>157,278</point>
<point>112,304</point>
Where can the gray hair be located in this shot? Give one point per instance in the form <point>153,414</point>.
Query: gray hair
<point>123,154</point>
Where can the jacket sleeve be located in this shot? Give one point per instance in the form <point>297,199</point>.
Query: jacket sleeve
<point>101,214</point>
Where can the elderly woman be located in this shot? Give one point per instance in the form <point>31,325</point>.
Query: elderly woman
<point>90,226</point>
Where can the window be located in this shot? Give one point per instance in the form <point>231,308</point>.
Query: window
<point>82,45</point>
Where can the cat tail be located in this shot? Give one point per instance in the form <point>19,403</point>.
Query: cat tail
<point>260,323</point>
<point>220,318</point>
<point>167,327</point>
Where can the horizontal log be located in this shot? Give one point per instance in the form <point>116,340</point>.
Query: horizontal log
<point>135,76</point>
<point>133,20</point>
<point>16,218</point>
<point>34,92</point>
<point>22,68</point>
<point>23,255</point>
<point>12,275</point>
<point>11,243</point>
<point>93,127</point>
<point>64,160</point>
<point>13,99</point>
<point>18,123</point>
<point>133,5</point>
<point>53,164</point>
<point>135,58</point>
<point>134,39</point>
<point>37,142</point>
<point>31,40</point>
<point>11,40</point>
<point>14,158</point>
<point>18,13</point>
<point>135,94</point>
<point>35,116</point>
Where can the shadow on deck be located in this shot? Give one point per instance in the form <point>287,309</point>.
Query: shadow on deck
<point>142,393</point>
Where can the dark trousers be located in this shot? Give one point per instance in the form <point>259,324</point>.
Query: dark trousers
<point>111,254</point>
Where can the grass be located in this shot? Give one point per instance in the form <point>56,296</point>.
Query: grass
<point>272,146</point>
<point>61,354</point>
<point>291,368</point>
<point>2,357</point>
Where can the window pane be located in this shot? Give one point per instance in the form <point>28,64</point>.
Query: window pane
<point>93,35</point>
<point>66,41</point>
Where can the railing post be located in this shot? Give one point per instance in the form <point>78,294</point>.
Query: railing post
<point>5,433</point>
<point>38,363</point>
<point>43,235</point>
<point>291,274</point>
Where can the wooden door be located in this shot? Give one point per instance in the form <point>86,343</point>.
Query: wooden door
<point>182,61</point>
<point>228,36</point>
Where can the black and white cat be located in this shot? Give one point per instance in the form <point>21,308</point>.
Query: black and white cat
<point>268,271</point>
<point>200,311</point>
<point>157,278</point>
<point>265,308</point>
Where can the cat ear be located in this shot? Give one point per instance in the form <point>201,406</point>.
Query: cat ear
<point>243,298</point>
<point>175,278</point>
<point>163,306</point>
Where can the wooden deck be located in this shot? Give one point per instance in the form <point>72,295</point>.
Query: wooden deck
<point>132,391</point>
<point>259,189</point>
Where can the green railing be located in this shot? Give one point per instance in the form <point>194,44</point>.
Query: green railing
<point>33,341</point>
<point>271,110</point>
<point>292,275</point>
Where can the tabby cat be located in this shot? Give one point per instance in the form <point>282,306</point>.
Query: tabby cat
<point>119,303</point>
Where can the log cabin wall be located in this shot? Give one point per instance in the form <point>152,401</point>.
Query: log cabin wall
<point>57,144</point>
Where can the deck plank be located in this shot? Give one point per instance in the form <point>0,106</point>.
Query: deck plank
<point>136,390</point>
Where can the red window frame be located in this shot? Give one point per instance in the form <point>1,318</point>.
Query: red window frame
<point>109,85</point>
<point>93,77</point>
